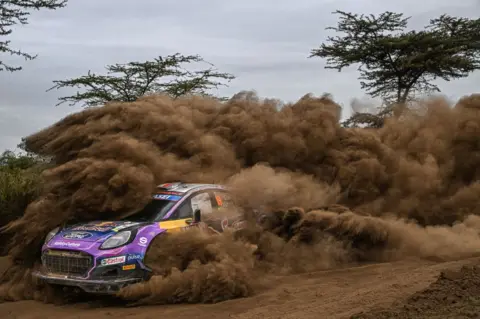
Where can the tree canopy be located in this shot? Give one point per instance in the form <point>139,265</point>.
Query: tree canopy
<point>396,64</point>
<point>11,160</point>
<point>13,12</point>
<point>127,82</point>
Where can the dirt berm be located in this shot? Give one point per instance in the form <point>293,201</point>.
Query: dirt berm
<point>455,294</point>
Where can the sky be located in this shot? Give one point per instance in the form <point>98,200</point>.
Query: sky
<point>264,43</point>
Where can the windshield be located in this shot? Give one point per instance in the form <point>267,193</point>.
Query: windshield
<point>154,210</point>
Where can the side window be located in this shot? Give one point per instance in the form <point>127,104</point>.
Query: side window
<point>223,199</point>
<point>200,201</point>
<point>203,202</point>
<point>184,211</point>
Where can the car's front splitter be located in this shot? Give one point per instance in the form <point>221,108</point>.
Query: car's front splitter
<point>107,286</point>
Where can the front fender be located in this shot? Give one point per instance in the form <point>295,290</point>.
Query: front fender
<point>139,246</point>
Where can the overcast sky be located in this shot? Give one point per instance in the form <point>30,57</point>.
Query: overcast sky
<point>265,43</point>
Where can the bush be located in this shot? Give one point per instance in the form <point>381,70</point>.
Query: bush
<point>20,177</point>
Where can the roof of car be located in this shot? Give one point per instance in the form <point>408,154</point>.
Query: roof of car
<point>187,187</point>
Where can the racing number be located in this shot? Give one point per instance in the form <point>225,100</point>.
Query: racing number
<point>223,199</point>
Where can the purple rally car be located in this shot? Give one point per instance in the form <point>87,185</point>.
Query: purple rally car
<point>104,256</point>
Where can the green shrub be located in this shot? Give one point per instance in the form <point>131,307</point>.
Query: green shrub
<point>10,160</point>
<point>17,189</point>
<point>20,178</point>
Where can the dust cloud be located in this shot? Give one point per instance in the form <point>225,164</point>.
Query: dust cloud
<point>206,269</point>
<point>322,196</point>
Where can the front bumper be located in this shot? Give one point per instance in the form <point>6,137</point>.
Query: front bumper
<point>107,286</point>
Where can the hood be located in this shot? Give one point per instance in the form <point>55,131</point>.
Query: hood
<point>94,231</point>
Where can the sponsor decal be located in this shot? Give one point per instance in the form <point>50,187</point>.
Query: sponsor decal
<point>113,261</point>
<point>142,241</point>
<point>77,235</point>
<point>129,267</point>
<point>134,257</point>
<point>173,198</point>
<point>66,244</point>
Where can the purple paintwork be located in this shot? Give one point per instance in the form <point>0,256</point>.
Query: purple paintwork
<point>77,260</point>
<point>99,232</point>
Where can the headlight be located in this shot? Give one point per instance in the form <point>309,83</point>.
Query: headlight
<point>51,234</point>
<point>117,240</point>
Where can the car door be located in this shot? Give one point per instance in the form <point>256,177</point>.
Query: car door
<point>182,217</point>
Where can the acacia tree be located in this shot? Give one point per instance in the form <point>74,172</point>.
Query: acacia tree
<point>395,64</point>
<point>13,12</point>
<point>127,82</point>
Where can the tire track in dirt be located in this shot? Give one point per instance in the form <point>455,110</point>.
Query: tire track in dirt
<point>324,294</point>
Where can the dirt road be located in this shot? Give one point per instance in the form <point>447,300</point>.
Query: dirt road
<point>324,294</point>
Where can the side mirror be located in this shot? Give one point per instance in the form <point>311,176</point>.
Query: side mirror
<point>197,216</point>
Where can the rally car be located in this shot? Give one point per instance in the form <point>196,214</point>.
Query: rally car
<point>104,256</point>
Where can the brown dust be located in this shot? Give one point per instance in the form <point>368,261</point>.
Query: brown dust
<point>328,196</point>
